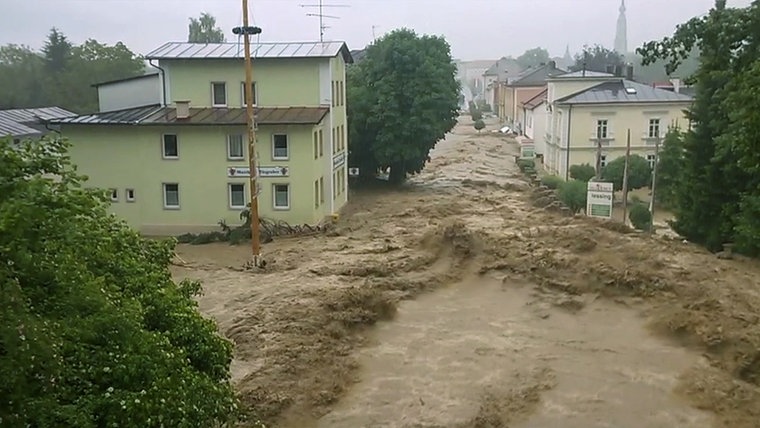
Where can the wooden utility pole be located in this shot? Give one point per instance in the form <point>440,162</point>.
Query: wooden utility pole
<point>625,176</point>
<point>598,165</point>
<point>251,124</point>
<point>654,181</point>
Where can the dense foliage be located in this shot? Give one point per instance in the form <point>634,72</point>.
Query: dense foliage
<point>204,30</point>
<point>402,99</point>
<point>717,198</point>
<point>639,172</point>
<point>583,172</point>
<point>533,58</point>
<point>552,181</point>
<point>573,193</point>
<point>62,74</point>
<point>596,58</point>
<point>670,164</point>
<point>640,216</point>
<point>93,331</point>
<point>479,125</point>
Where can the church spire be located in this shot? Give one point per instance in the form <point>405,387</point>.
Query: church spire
<point>621,35</point>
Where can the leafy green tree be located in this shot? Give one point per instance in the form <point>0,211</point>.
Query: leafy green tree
<point>552,181</point>
<point>583,172</point>
<point>475,112</point>
<point>639,173</point>
<point>93,330</point>
<point>533,57</point>
<point>479,125</point>
<point>204,30</point>
<point>717,198</point>
<point>402,99</point>
<point>670,166</point>
<point>640,216</point>
<point>573,193</point>
<point>597,58</point>
<point>21,71</point>
<point>57,51</point>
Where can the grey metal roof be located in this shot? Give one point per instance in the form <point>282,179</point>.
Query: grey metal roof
<point>581,73</point>
<point>157,115</point>
<point>234,50</point>
<point>28,121</point>
<point>623,91</point>
<point>126,79</point>
<point>537,76</point>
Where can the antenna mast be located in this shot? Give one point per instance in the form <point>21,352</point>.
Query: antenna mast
<point>321,16</point>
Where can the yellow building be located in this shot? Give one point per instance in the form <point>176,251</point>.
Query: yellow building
<point>179,162</point>
<point>586,109</point>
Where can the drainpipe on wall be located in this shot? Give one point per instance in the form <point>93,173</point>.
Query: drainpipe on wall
<point>567,156</point>
<point>163,82</point>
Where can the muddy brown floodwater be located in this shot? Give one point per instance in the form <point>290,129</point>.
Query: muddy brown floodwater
<point>465,299</point>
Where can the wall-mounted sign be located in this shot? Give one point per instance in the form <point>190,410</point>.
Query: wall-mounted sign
<point>339,160</point>
<point>353,172</point>
<point>599,199</point>
<point>263,171</point>
<point>527,151</point>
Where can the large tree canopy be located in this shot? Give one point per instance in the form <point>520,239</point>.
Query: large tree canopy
<point>533,57</point>
<point>204,30</point>
<point>718,195</point>
<point>402,99</point>
<point>62,74</point>
<point>596,58</point>
<point>93,331</point>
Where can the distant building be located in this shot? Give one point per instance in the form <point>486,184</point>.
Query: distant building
<point>180,163</point>
<point>586,109</point>
<point>26,123</point>
<point>524,87</point>
<point>534,121</point>
<point>498,73</point>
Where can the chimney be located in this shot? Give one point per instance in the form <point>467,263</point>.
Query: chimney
<point>629,72</point>
<point>552,65</point>
<point>183,109</point>
<point>676,85</point>
<point>610,69</point>
<point>618,71</point>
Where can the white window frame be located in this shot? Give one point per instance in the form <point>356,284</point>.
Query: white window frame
<point>163,146</point>
<point>651,160</point>
<point>127,196</point>
<point>229,196</point>
<point>602,160</point>
<point>649,129</point>
<point>163,196</point>
<point>213,100</point>
<point>114,194</point>
<point>242,147</point>
<point>602,124</point>
<point>287,147</point>
<point>255,94</point>
<point>274,196</point>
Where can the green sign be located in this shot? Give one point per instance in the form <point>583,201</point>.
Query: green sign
<point>527,152</point>
<point>601,210</point>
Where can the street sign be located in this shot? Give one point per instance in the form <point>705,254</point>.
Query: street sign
<point>353,172</point>
<point>599,199</point>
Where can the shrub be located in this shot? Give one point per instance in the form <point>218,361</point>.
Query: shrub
<point>573,194</point>
<point>639,173</point>
<point>552,181</point>
<point>479,124</point>
<point>640,217</point>
<point>525,163</point>
<point>583,172</point>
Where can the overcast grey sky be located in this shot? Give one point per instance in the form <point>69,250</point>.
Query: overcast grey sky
<point>476,29</point>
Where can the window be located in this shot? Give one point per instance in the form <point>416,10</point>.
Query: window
<point>316,193</point>
<point>321,190</point>
<point>316,144</point>
<point>654,128</point>
<point>334,91</point>
<point>242,93</point>
<point>219,94</point>
<point>321,143</point>
<point>114,195</point>
<point>171,195</point>
<point>235,146</point>
<point>237,195</point>
<point>340,93</point>
<point>281,196</point>
<point>603,161</point>
<point>170,146</point>
<point>650,159</point>
<point>601,128</point>
<point>342,180</point>
<point>279,146</point>
<point>130,195</point>
<point>334,142</point>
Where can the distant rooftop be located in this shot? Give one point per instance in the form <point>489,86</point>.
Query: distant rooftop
<point>24,122</point>
<point>538,75</point>
<point>234,50</point>
<point>126,79</point>
<point>623,91</point>
<point>581,73</point>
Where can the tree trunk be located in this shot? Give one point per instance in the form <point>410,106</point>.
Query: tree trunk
<point>398,173</point>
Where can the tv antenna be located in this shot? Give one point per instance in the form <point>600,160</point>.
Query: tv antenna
<point>374,27</point>
<point>322,16</point>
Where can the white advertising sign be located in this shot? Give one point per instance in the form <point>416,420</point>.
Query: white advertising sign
<point>599,199</point>
<point>263,171</point>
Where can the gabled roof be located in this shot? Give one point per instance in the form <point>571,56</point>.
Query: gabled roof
<point>157,115</point>
<point>126,79</point>
<point>234,50</point>
<point>537,100</point>
<point>623,91</point>
<point>28,121</point>
<point>537,76</point>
